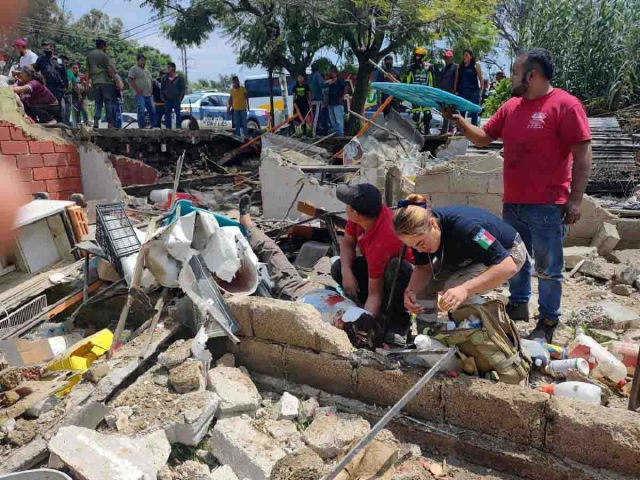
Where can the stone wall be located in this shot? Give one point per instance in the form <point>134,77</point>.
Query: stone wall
<point>477,180</point>
<point>41,164</point>
<point>289,340</point>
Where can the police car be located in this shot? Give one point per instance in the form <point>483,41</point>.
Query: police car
<point>209,110</point>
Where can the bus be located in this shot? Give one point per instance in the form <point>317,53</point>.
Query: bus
<point>257,87</point>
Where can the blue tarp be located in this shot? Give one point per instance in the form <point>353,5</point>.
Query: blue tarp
<point>425,96</point>
<point>186,207</point>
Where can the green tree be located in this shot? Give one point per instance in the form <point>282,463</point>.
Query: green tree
<point>223,83</point>
<point>501,94</point>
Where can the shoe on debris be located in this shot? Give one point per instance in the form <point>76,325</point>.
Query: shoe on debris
<point>244,206</point>
<point>396,335</point>
<point>518,311</point>
<point>544,330</point>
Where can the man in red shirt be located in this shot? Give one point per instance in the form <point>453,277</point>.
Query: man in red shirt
<point>547,160</point>
<point>368,278</point>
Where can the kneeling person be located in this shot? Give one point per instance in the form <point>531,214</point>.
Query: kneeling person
<point>459,250</point>
<point>368,279</point>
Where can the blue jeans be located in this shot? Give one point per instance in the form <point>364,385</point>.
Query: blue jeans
<point>145,103</point>
<point>542,230</point>
<point>473,97</point>
<point>240,122</point>
<point>118,114</point>
<point>336,115</point>
<point>172,106</point>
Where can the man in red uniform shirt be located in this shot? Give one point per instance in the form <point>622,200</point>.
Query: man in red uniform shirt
<point>368,278</point>
<point>547,160</point>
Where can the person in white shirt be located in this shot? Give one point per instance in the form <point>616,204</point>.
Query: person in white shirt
<point>27,57</point>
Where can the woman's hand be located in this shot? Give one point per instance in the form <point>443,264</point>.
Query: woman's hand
<point>453,298</point>
<point>411,302</point>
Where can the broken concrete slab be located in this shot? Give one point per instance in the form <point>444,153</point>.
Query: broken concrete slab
<point>97,372</point>
<point>177,353</point>
<point>606,238</point>
<point>623,317</point>
<point>94,456</point>
<point>308,409</point>
<point>237,392</point>
<point>330,435</point>
<point>622,290</point>
<point>227,360</point>
<point>287,407</point>
<point>225,472</point>
<point>191,470</point>
<point>574,255</point>
<point>281,430</point>
<point>187,377</point>
<point>631,256</point>
<point>627,274</point>
<point>603,271</point>
<point>249,452</point>
<point>192,426</point>
<point>304,464</point>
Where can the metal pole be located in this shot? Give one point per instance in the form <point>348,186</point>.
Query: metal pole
<point>395,410</point>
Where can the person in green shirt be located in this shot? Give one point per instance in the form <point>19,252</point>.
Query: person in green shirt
<point>98,81</point>
<point>141,83</point>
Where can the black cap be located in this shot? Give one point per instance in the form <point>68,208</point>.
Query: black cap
<point>364,198</point>
<point>45,43</point>
<point>140,55</point>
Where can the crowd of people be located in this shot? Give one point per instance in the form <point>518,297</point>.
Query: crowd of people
<point>51,89</point>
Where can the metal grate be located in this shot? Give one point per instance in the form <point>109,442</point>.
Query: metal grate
<point>115,234</point>
<point>22,315</point>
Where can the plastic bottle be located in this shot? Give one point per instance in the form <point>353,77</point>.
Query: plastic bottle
<point>560,368</point>
<point>424,342</point>
<point>165,196</point>
<point>555,351</point>
<point>537,352</point>
<point>576,390</point>
<point>627,353</point>
<point>602,363</point>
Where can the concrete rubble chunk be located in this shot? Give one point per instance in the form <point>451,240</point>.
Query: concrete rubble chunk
<point>187,377</point>
<point>192,427</point>
<point>191,470</point>
<point>627,274</point>
<point>304,464</point>
<point>236,390</point>
<point>249,452</point>
<point>119,418</point>
<point>23,433</point>
<point>622,290</point>
<point>176,354</point>
<point>331,435</point>
<point>308,409</point>
<point>227,360</point>
<point>606,238</point>
<point>623,317</point>
<point>574,255</point>
<point>631,256</point>
<point>281,430</point>
<point>603,271</point>
<point>93,456</point>
<point>165,473</point>
<point>287,407</point>
<point>325,412</point>
<point>225,472</point>
<point>97,372</point>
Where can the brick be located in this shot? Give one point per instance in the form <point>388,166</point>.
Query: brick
<point>505,411</point>
<point>17,134</point>
<point>64,148</point>
<point>434,183</point>
<point>492,203</point>
<point>385,387</point>
<point>25,175</point>
<point>45,173</point>
<point>66,172</point>
<point>55,159</point>
<point>444,199</point>
<point>41,147</point>
<point>320,370</point>
<point>59,185</point>
<point>8,161</point>
<point>75,185</point>
<point>29,161</point>
<point>33,187</point>
<point>4,133</point>
<point>14,148</point>
<point>73,159</point>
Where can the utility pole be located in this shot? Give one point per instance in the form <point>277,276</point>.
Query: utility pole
<point>183,60</point>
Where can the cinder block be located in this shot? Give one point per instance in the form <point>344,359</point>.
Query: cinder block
<point>445,199</point>
<point>629,229</point>
<point>606,238</point>
<point>591,434</point>
<point>320,370</point>
<point>433,183</point>
<point>496,183</point>
<point>589,208</point>
<point>242,310</point>
<point>506,411</point>
<point>585,228</point>
<point>485,163</point>
<point>257,356</point>
<point>462,181</point>
<point>385,387</point>
<point>492,203</point>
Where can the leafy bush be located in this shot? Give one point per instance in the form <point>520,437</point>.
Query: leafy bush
<point>501,94</point>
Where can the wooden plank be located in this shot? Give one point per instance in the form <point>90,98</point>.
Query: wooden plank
<point>39,391</point>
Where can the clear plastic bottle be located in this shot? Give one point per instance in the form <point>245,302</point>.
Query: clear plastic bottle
<point>627,353</point>
<point>560,368</point>
<point>537,352</point>
<point>603,364</point>
<point>576,390</point>
<point>424,342</point>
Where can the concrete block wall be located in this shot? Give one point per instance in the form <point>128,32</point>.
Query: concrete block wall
<point>41,165</point>
<point>535,421</point>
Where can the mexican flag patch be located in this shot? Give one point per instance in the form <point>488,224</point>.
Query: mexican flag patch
<point>484,239</point>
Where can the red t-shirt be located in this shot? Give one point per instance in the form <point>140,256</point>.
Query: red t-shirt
<point>379,244</point>
<point>538,135</point>
<point>37,94</point>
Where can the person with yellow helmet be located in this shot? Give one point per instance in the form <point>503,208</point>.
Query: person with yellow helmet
<point>420,73</point>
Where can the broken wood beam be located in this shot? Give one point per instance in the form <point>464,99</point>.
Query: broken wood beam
<point>209,180</point>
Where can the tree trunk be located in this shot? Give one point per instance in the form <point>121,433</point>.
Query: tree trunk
<point>359,98</point>
<point>271,108</point>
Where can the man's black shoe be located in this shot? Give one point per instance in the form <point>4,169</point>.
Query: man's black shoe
<point>518,311</point>
<point>244,206</point>
<point>544,330</point>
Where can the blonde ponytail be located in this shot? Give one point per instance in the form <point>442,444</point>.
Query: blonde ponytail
<point>413,218</point>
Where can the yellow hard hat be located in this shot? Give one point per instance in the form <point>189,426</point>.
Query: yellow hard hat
<point>420,51</point>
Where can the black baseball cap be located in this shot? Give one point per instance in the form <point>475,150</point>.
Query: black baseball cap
<point>364,198</point>
<point>140,55</point>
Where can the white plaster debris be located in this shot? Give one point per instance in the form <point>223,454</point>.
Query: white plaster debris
<point>287,407</point>
<point>308,409</point>
<point>249,452</point>
<point>281,430</point>
<point>191,429</point>
<point>94,456</point>
<point>237,392</point>
<point>223,473</point>
<point>330,435</point>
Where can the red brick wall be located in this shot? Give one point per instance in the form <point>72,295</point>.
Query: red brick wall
<point>41,166</point>
<point>134,172</point>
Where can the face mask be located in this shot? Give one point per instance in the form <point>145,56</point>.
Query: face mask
<point>48,53</point>
<point>2,63</point>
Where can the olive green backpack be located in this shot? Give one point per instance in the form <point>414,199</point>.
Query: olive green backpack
<point>495,347</point>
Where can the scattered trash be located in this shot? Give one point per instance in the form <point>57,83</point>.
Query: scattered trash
<point>560,368</point>
<point>603,364</point>
<point>574,390</point>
